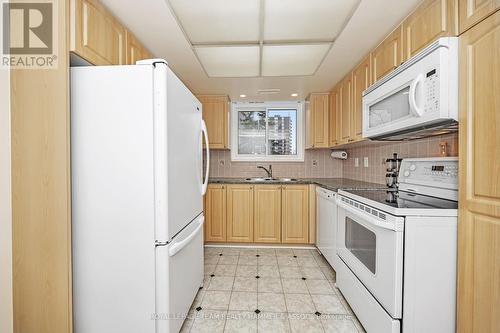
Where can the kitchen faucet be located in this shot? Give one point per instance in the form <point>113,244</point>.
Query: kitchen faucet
<point>269,171</point>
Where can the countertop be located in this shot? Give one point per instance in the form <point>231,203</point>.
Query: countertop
<point>332,184</point>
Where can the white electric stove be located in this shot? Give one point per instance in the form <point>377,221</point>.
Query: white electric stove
<point>397,249</point>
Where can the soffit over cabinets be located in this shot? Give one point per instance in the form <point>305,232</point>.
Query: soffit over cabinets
<point>254,38</point>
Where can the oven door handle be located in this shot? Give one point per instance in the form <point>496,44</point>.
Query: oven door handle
<point>370,219</point>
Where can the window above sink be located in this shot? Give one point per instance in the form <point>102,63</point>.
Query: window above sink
<point>267,132</point>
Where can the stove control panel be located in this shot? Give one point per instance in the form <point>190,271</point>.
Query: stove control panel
<point>441,172</point>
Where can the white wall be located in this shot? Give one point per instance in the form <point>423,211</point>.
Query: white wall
<point>5,207</point>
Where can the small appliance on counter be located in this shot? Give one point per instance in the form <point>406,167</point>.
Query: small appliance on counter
<point>392,168</point>
<point>404,236</point>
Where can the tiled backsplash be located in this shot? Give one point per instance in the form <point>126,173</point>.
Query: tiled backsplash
<point>378,152</point>
<point>319,163</point>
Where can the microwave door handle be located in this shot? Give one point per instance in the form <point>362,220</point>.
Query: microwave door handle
<point>414,108</point>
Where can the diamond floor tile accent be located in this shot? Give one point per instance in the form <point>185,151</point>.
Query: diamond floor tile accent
<point>269,290</point>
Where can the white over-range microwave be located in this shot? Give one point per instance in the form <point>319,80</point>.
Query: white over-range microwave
<point>419,99</point>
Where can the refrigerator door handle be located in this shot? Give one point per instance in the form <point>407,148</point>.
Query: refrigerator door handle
<point>176,247</point>
<point>205,134</point>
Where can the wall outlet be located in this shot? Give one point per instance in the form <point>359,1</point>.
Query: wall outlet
<point>315,163</point>
<point>356,162</point>
<point>365,162</point>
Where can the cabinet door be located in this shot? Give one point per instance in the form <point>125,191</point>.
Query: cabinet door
<point>215,213</point>
<point>470,12</point>
<point>388,55</point>
<point>345,109</point>
<point>333,116</point>
<point>361,80</point>
<point>215,114</point>
<point>267,214</point>
<point>135,50</point>
<point>96,35</point>
<point>319,114</point>
<point>295,214</point>
<point>479,211</point>
<point>240,213</point>
<point>431,20</point>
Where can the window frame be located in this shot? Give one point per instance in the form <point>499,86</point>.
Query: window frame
<point>266,106</point>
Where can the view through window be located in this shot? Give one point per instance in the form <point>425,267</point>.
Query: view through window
<point>267,133</point>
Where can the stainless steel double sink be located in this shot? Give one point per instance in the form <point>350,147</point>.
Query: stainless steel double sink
<point>270,180</point>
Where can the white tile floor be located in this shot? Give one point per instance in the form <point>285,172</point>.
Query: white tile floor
<point>269,290</point>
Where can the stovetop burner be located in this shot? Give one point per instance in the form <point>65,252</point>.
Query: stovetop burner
<point>403,199</point>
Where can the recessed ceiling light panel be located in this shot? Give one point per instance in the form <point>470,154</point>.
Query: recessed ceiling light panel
<point>300,20</point>
<point>218,21</point>
<point>229,61</point>
<point>292,60</point>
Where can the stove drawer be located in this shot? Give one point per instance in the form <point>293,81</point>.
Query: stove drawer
<point>369,312</point>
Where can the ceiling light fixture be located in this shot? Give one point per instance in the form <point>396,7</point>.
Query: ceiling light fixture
<point>243,95</point>
<point>295,95</point>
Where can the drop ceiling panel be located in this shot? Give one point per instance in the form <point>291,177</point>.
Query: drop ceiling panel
<point>292,60</point>
<point>229,61</point>
<point>218,21</point>
<point>301,20</point>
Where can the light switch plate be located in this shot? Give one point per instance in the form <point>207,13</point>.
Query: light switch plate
<point>356,162</point>
<point>365,162</point>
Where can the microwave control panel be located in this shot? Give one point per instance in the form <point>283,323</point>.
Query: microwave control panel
<point>431,91</point>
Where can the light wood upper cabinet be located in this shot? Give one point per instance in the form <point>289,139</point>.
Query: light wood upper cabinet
<point>295,214</point>
<point>215,213</point>
<point>267,214</point>
<point>473,11</point>
<point>215,114</point>
<point>135,50</point>
<point>96,35</point>
<point>431,20</point>
<point>388,55</point>
<point>345,110</point>
<point>239,213</point>
<point>317,120</point>
<point>333,117</point>
<point>361,80</point>
<point>479,202</point>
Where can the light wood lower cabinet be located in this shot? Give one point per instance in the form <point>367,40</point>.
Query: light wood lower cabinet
<point>479,203</point>
<point>267,214</point>
<point>239,213</point>
<point>215,213</point>
<point>295,214</point>
<point>243,213</point>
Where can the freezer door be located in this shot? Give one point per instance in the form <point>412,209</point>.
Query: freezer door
<point>113,255</point>
<point>180,158</point>
<point>179,275</point>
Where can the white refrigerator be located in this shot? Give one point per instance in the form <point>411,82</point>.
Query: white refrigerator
<point>137,198</point>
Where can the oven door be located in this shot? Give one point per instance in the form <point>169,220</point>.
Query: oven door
<point>373,249</point>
